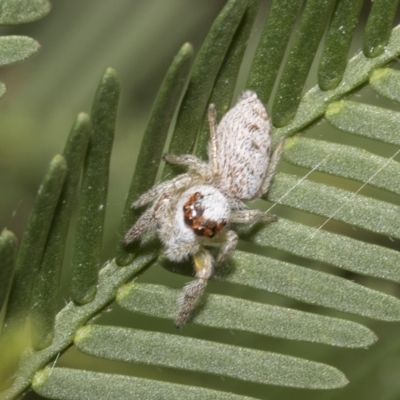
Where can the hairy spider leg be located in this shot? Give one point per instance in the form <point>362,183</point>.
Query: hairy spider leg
<point>273,163</point>
<point>143,224</point>
<point>178,183</point>
<point>251,217</point>
<point>231,239</point>
<point>147,220</point>
<point>203,263</point>
<point>192,162</point>
<point>213,150</point>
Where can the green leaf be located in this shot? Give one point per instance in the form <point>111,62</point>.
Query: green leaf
<point>174,351</point>
<point>64,383</point>
<point>366,120</point>
<point>160,301</point>
<point>16,48</point>
<point>340,251</point>
<point>154,140</point>
<point>338,39</point>
<point>47,286</point>
<point>225,82</point>
<point>22,11</point>
<point>345,161</point>
<point>271,48</point>
<point>204,72</point>
<point>379,25</point>
<point>342,205</point>
<point>310,286</point>
<point>93,197</point>
<point>8,255</point>
<point>33,243</point>
<point>295,72</point>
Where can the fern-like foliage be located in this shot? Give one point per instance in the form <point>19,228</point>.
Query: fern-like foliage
<point>269,259</point>
<point>18,48</point>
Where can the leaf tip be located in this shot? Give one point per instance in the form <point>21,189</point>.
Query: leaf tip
<point>83,118</point>
<point>111,74</point>
<point>58,161</point>
<point>187,48</point>
<point>8,236</point>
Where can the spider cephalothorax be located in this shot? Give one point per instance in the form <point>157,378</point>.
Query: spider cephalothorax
<point>198,206</point>
<point>194,215</point>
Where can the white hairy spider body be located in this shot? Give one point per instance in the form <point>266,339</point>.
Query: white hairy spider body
<point>198,206</point>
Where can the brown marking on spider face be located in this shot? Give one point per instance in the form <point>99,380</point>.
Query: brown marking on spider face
<point>207,227</point>
<point>193,208</point>
<point>193,215</point>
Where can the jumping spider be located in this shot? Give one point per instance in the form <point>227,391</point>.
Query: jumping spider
<point>195,207</point>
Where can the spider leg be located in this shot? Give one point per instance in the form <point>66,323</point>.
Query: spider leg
<point>178,183</point>
<point>251,217</point>
<point>273,163</point>
<point>192,293</point>
<point>213,153</point>
<point>192,162</point>
<point>144,223</point>
<point>231,239</point>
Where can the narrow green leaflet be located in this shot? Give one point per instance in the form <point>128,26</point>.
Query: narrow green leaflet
<point>93,196</point>
<point>308,285</point>
<point>225,82</point>
<point>337,43</point>
<point>73,384</point>
<point>379,26</point>
<point>175,351</point>
<point>8,255</point>
<point>16,48</point>
<point>345,161</point>
<point>342,205</point>
<point>22,11</point>
<point>271,48</point>
<point>232,313</point>
<point>340,251</point>
<point>365,120</point>
<point>153,142</point>
<point>47,285</point>
<point>312,26</point>
<point>33,243</point>
<point>204,72</point>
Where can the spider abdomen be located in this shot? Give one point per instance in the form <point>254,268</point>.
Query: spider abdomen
<point>244,144</point>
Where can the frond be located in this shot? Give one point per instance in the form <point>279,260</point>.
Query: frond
<point>325,190</point>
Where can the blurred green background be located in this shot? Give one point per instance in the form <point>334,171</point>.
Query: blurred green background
<point>139,38</point>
